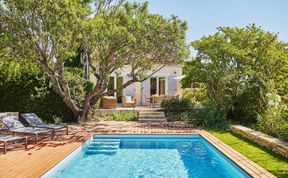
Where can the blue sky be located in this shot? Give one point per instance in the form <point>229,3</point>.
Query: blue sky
<point>204,16</point>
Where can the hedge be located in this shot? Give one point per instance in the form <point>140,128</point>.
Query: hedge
<point>24,88</point>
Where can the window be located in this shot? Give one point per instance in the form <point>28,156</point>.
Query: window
<point>111,85</point>
<point>153,86</point>
<point>119,93</point>
<point>157,86</point>
<point>161,86</point>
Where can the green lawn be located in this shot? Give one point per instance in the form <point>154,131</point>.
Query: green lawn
<point>274,163</point>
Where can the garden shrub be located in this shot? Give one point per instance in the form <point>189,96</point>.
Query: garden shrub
<point>24,88</point>
<point>207,117</point>
<point>274,121</point>
<point>238,68</point>
<point>196,95</point>
<point>176,106</point>
<point>125,116</point>
<point>177,117</point>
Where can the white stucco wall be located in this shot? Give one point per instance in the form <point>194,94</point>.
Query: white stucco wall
<point>140,90</point>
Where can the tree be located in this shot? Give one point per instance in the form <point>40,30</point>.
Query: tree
<point>47,32</point>
<point>51,32</point>
<point>239,67</point>
<point>129,35</point>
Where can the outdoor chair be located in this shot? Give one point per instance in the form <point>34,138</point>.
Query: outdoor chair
<point>36,122</point>
<point>7,138</point>
<point>128,101</point>
<point>15,126</point>
<point>108,102</point>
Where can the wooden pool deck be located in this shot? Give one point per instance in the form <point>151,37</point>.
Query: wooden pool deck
<point>39,158</point>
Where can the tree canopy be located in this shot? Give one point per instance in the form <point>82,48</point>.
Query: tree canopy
<point>240,68</point>
<point>113,35</point>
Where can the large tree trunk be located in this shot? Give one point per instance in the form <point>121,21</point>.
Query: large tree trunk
<point>86,111</point>
<point>62,90</point>
<point>91,99</point>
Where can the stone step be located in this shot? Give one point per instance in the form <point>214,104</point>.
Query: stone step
<point>151,113</point>
<point>145,111</point>
<point>151,120</point>
<point>152,116</point>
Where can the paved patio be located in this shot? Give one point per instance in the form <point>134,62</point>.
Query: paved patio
<point>39,158</point>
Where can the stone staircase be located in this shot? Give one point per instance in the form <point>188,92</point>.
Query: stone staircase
<point>152,116</point>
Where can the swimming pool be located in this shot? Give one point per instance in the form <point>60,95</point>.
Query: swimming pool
<point>141,156</point>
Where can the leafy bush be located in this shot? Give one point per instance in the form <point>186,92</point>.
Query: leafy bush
<point>207,117</point>
<point>197,95</point>
<point>274,122</point>
<point>57,120</point>
<point>176,106</point>
<point>125,116</point>
<point>79,86</point>
<point>177,117</point>
<point>24,88</point>
<point>239,67</point>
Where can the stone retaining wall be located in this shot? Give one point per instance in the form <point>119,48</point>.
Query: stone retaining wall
<point>271,143</point>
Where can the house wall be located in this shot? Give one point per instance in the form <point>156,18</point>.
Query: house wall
<point>142,90</point>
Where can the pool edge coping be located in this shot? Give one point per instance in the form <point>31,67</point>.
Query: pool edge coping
<point>251,168</point>
<point>48,169</point>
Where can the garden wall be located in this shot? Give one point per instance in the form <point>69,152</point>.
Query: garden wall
<point>274,144</point>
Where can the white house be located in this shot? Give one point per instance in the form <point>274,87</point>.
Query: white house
<point>166,81</point>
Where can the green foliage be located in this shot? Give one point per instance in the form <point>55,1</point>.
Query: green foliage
<point>44,29</point>
<point>47,33</point>
<point>196,95</point>
<point>53,33</point>
<point>82,123</point>
<point>274,121</point>
<point>125,116</point>
<point>58,120</point>
<point>23,88</point>
<point>270,161</point>
<point>239,67</point>
<point>178,117</point>
<point>130,35</point>
<point>207,117</point>
<point>79,86</point>
<point>176,106</point>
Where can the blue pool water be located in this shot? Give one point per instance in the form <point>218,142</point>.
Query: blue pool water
<point>147,157</point>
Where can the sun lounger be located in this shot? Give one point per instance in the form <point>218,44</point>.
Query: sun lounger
<point>34,121</point>
<point>15,126</point>
<point>7,138</point>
